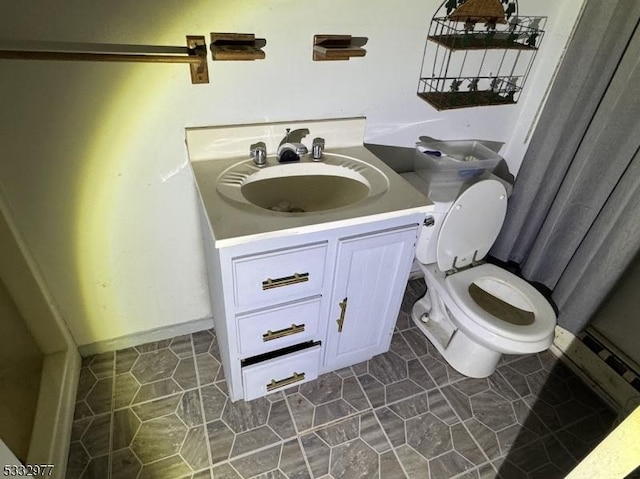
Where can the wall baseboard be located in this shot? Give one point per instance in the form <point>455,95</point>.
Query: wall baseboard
<point>136,339</point>
<point>54,416</point>
<point>595,371</point>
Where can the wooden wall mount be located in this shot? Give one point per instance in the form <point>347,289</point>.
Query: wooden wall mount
<point>338,47</point>
<point>236,47</point>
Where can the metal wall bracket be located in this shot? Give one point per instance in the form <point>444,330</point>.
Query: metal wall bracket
<point>199,71</point>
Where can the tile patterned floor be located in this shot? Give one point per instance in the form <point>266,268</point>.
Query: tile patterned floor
<point>161,411</point>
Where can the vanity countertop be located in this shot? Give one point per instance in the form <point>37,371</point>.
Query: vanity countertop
<point>211,152</point>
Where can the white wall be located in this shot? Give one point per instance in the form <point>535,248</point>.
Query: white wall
<point>92,156</point>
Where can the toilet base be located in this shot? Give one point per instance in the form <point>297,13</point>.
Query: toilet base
<point>463,354</point>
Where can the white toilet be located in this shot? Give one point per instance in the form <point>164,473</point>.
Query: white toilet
<point>474,312</point>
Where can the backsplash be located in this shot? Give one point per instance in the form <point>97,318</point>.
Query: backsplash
<point>223,142</point>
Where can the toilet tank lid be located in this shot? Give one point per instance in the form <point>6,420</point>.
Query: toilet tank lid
<point>472,225</point>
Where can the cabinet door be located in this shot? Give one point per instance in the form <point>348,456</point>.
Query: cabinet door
<point>371,276</point>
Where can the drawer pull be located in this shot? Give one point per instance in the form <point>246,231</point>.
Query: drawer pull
<point>285,382</point>
<point>343,311</point>
<point>294,329</point>
<point>285,281</point>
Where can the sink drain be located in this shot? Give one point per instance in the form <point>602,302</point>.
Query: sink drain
<point>285,207</point>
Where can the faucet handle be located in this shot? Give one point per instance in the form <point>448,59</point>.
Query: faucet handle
<point>258,151</point>
<point>317,148</point>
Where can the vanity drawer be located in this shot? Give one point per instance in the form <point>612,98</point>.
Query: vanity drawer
<point>269,278</point>
<point>279,373</point>
<point>279,327</point>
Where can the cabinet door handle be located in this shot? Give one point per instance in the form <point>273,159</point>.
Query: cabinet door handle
<point>343,311</point>
<point>285,382</point>
<point>285,281</point>
<point>271,335</point>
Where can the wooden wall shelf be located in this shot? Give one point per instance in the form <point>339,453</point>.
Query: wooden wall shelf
<point>338,47</point>
<point>481,41</point>
<point>236,47</point>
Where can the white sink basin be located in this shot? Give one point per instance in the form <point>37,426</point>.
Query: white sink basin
<point>349,187</point>
<point>337,181</point>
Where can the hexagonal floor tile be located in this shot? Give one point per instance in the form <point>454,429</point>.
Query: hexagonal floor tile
<point>125,426</point>
<point>126,389</point>
<point>155,365</point>
<point>493,410</point>
<point>102,365</point>
<point>325,388</point>
<point>242,416</point>
<point>354,460</point>
<point>96,437</point>
<point>194,449</point>
<point>172,467</point>
<point>124,464</point>
<point>428,435</point>
<point>125,358</point>
<point>85,383</point>
<point>99,399</point>
<point>159,438</point>
<point>388,367</point>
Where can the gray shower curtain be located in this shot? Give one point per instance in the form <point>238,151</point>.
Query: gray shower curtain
<point>573,222</point>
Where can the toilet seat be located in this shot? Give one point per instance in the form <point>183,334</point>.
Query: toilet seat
<point>471,225</point>
<point>458,284</point>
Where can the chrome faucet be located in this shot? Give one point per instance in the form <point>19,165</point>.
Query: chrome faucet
<point>258,152</point>
<point>294,136</point>
<point>291,147</point>
<point>317,148</point>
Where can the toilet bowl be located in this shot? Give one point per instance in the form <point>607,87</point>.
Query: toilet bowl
<point>473,312</point>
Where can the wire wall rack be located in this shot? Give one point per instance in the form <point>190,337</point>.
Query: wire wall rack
<point>478,53</point>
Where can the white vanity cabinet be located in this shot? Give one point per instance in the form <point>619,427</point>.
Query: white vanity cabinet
<point>278,303</point>
<point>299,294</point>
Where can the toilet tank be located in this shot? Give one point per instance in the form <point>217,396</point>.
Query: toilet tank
<point>428,236</point>
<point>442,199</point>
